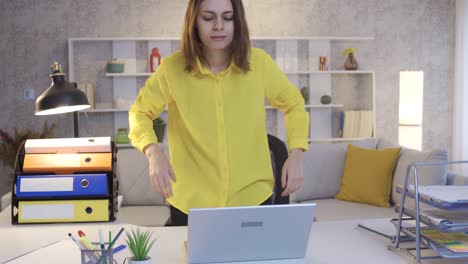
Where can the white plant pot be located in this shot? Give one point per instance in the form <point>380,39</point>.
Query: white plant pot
<point>146,261</point>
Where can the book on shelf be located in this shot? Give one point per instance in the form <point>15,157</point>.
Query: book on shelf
<point>357,124</point>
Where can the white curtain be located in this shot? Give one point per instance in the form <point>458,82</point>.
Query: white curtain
<point>460,109</point>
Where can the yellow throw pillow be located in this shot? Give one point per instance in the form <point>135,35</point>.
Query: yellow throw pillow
<point>367,175</point>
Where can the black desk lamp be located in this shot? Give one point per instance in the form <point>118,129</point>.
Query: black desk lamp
<point>61,97</point>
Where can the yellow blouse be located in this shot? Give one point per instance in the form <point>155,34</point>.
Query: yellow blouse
<point>217,134</point>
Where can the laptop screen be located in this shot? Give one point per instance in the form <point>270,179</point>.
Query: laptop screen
<point>250,233</point>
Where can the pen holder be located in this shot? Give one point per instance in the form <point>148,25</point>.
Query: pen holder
<point>97,255</point>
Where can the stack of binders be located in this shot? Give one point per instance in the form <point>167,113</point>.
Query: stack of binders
<point>65,180</point>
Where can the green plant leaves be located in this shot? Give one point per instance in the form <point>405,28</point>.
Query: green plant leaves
<point>140,243</point>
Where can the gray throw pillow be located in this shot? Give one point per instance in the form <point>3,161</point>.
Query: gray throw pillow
<point>134,183</point>
<point>427,175</point>
<point>323,169</point>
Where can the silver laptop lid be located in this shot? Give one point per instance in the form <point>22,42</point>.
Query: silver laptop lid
<point>249,233</point>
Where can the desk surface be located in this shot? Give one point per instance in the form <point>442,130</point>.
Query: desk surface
<point>330,242</point>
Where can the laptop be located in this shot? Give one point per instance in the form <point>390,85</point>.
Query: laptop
<point>253,233</point>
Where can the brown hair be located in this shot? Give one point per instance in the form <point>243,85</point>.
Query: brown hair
<point>192,45</point>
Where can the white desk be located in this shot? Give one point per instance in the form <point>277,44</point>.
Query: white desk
<point>330,242</point>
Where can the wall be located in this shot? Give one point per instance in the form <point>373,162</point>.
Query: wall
<point>409,34</point>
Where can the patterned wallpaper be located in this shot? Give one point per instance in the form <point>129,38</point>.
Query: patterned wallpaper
<point>409,34</point>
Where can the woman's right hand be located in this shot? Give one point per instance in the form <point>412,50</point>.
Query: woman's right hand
<point>160,170</point>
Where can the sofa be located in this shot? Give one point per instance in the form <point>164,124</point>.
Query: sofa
<point>323,167</point>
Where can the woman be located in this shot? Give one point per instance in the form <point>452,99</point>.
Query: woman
<point>214,89</point>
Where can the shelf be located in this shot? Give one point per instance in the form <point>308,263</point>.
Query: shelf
<point>105,110</point>
<point>109,110</point>
<point>147,74</point>
<point>434,202</point>
<point>335,38</point>
<point>112,110</point>
<point>124,39</point>
<point>439,249</point>
<point>447,225</point>
<point>328,72</point>
<point>324,106</point>
<point>131,146</point>
<point>445,252</point>
<point>124,145</point>
<point>312,106</point>
<point>135,74</point>
<point>318,140</point>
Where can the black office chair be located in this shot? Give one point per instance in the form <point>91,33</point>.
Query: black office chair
<point>279,155</point>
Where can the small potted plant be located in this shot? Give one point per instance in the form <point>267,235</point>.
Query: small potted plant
<point>139,244</point>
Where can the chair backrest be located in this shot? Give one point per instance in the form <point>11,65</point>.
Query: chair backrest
<point>279,155</point>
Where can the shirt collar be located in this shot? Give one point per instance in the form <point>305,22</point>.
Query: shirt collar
<point>204,70</point>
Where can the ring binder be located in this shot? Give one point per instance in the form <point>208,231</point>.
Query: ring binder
<point>63,185</point>
<point>67,163</point>
<point>63,211</point>
<point>68,145</point>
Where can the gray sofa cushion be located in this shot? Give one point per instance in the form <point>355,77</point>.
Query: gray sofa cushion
<point>337,210</point>
<point>134,183</point>
<point>144,215</point>
<point>427,175</point>
<point>323,169</point>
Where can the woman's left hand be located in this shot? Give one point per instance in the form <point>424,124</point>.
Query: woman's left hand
<point>291,176</point>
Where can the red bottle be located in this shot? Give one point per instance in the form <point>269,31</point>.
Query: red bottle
<point>155,59</point>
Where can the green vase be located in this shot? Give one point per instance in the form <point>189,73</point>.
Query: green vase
<point>122,136</point>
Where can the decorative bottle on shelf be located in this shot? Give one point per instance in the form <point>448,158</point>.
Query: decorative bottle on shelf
<point>351,63</point>
<point>155,59</point>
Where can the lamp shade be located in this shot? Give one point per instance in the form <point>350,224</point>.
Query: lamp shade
<point>61,96</point>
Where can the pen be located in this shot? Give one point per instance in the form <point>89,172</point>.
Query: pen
<point>115,238</point>
<point>101,238</point>
<point>118,248</point>
<point>76,241</point>
<point>80,246</point>
<point>110,237</point>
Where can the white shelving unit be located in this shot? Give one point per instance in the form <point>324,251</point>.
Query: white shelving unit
<point>104,110</point>
<point>296,56</point>
<point>135,74</point>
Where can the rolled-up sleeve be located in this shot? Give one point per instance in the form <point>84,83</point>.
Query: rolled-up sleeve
<point>151,101</point>
<point>282,94</point>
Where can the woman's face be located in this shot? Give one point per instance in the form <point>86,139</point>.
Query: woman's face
<point>215,23</point>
